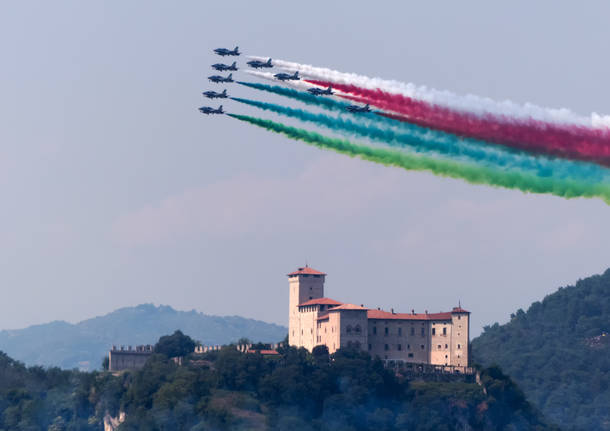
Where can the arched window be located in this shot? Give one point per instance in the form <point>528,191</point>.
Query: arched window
<point>349,329</point>
<point>357,329</point>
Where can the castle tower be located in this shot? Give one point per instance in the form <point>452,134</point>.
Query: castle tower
<point>460,337</point>
<point>305,284</point>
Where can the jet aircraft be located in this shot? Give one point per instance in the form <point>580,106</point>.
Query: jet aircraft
<point>215,95</point>
<point>208,110</point>
<point>287,76</point>
<point>218,78</point>
<point>223,67</point>
<point>256,64</point>
<point>357,109</point>
<point>319,92</point>
<point>225,51</point>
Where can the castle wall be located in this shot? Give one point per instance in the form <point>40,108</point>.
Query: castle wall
<point>406,340</point>
<point>128,359</point>
<point>440,342</point>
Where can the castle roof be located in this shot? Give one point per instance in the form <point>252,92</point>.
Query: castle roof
<point>386,315</point>
<point>459,310</point>
<point>306,270</point>
<point>348,307</point>
<point>320,301</point>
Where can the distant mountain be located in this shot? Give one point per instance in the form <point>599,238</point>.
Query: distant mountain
<point>84,344</point>
<point>559,353</point>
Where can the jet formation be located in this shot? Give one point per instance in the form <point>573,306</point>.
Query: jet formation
<point>224,67</point>
<point>257,64</point>
<point>358,109</point>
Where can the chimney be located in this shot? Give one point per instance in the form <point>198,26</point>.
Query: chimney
<point>412,311</point>
<point>393,311</point>
<point>426,311</point>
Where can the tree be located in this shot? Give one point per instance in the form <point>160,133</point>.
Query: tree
<point>174,345</point>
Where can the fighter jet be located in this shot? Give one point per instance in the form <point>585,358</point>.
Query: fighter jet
<point>358,109</point>
<point>287,77</point>
<point>207,110</point>
<point>223,67</point>
<point>215,95</point>
<point>319,92</point>
<point>218,78</point>
<point>225,51</point>
<point>256,64</point>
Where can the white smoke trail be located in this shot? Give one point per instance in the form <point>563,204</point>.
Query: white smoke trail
<point>506,110</point>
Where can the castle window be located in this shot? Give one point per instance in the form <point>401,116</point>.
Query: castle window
<point>370,347</point>
<point>439,347</point>
<point>399,331</point>
<point>386,331</point>
<point>423,332</point>
<point>422,347</point>
<point>408,347</point>
<point>444,331</point>
<point>357,329</point>
<point>386,347</point>
<point>433,331</point>
<point>410,355</point>
<point>349,329</point>
<point>301,332</point>
<point>446,346</point>
<point>374,330</point>
<point>459,316</point>
<point>412,331</point>
<point>446,356</point>
<point>459,346</point>
<point>400,347</point>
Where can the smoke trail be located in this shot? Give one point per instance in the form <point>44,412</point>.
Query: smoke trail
<point>469,103</point>
<point>425,141</point>
<point>470,173</point>
<point>578,143</point>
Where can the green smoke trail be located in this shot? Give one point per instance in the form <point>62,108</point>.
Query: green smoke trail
<point>468,172</point>
<point>452,145</point>
<point>446,145</point>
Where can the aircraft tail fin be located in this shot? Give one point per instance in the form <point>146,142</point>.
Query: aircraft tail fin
<point>236,49</point>
<point>220,108</point>
<point>269,62</point>
<point>296,74</point>
<point>234,64</point>
<point>230,76</point>
<point>224,92</point>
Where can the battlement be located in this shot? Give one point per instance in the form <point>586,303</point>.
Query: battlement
<point>123,358</point>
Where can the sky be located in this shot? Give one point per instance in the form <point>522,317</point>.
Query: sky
<point>116,191</point>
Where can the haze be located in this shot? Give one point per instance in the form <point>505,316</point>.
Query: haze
<point>116,191</point>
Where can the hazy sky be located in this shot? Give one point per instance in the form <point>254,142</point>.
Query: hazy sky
<point>116,191</point>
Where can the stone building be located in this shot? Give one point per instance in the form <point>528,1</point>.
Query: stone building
<point>127,358</point>
<point>424,338</point>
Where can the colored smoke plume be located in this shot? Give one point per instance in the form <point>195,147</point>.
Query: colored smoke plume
<point>468,172</point>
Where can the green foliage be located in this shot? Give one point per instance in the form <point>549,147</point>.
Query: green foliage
<point>231,390</point>
<point>175,345</point>
<point>557,353</point>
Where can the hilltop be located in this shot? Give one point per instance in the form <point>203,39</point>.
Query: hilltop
<point>558,351</point>
<point>82,345</point>
<point>231,390</point>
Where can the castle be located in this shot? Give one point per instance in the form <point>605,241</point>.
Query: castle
<point>423,338</point>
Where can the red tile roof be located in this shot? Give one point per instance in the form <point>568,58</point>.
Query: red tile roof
<point>386,315</point>
<point>459,310</point>
<point>320,301</point>
<point>306,270</point>
<point>348,307</point>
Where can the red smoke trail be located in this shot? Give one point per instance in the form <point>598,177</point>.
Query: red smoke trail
<point>573,142</point>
